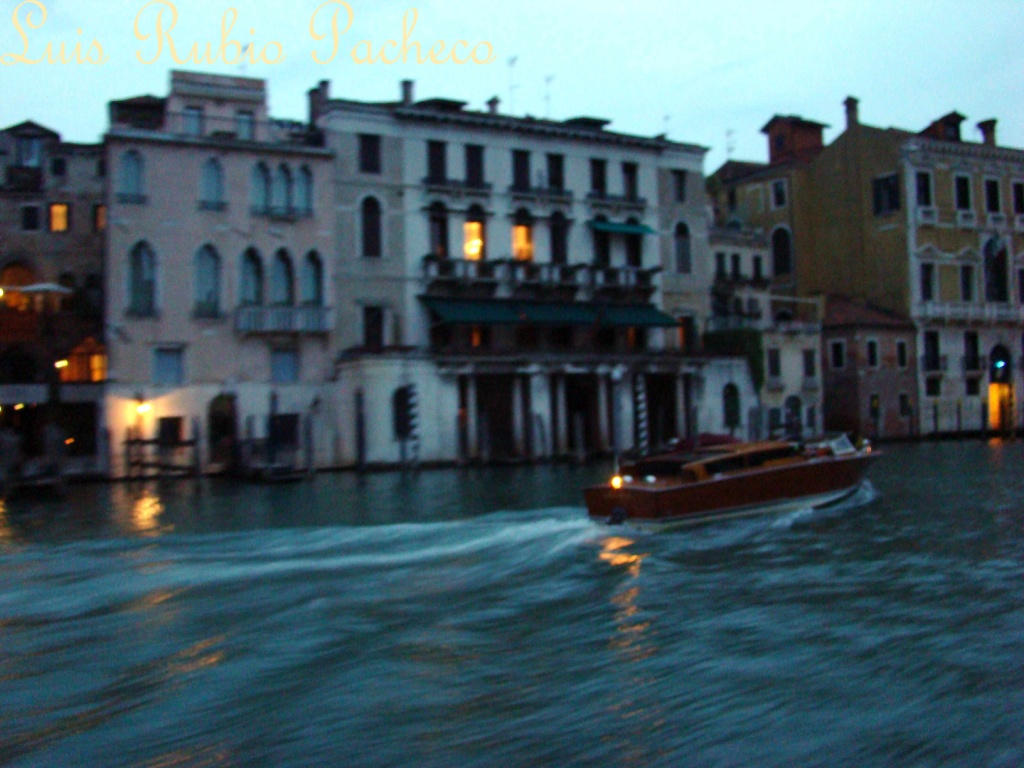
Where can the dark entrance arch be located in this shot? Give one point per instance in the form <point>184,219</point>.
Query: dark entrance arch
<point>222,428</point>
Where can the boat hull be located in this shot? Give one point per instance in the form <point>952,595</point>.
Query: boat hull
<point>812,483</point>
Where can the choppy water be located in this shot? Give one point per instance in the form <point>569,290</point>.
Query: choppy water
<point>480,619</point>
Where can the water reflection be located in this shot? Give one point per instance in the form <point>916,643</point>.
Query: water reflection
<point>145,514</point>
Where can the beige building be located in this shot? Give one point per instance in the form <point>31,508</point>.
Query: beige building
<point>220,282</point>
<point>925,225</point>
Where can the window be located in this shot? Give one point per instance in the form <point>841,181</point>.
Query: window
<point>634,246</point>
<point>932,357</point>
<point>369,153</point>
<point>684,256</point>
<point>474,166</point>
<point>812,418</point>
<point>474,241</point>
<point>282,280</point>
<point>142,281</point>
<point>192,121</point>
<point>758,268</point>
<point>1020,285</point>
<point>719,266</point>
<point>168,366</point>
<point>972,386</point>
<point>901,354</point>
<point>906,409</point>
<point>679,186</point>
<point>630,186</point>
<point>782,252</point>
<point>774,418</point>
<point>312,280</point>
<point>245,125</point>
<point>60,217</point>
<point>403,412</point>
<point>373,328</point>
<point>838,352</point>
<point>872,353</point>
<point>997,283</point>
<point>734,266</point>
<point>130,183</point>
<point>559,238</point>
<point>281,193</point>
<point>933,386</point>
<point>810,363</point>
<point>731,406</point>
<point>927,282</point>
<point>972,361</point>
<point>371,228</point>
<point>774,362</point>
<point>992,202</point>
<point>966,282</point>
<point>602,245</point>
<point>438,225</point>
<point>252,278</point>
<point>520,170</point>
<point>284,366</point>
<point>1018,197</point>
<point>962,192</point>
<point>99,218</point>
<point>522,236</point>
<point>924,189</point>
<point>598,177</point>
<point>886,194</point>
<point>437,162</point>
<point>29,152</point>
<point>58,166</point>
<point>259,191</point>
<point>779,193</point>
<point>304,192</point>
<point>556,172</point>
<point>211,193</point>
<point>207,282</point>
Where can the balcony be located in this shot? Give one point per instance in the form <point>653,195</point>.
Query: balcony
<point>633,283</point>
<point>540,194</point>
<point>298,320</point>
<point>997,221</point>
<point>927,215</point>
<point>934,364</point>
<point>966,219</point>
<point>970,312</point>
<point>461,276</point>
<point>457,188</point>
<point>289,213</point>
<point>616,203</point>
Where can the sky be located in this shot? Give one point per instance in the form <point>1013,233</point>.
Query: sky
<point>710,72</point>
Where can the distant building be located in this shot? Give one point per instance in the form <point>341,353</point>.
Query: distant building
<point>52,230</point>
<point>870,371</point>
<point>921,224</point>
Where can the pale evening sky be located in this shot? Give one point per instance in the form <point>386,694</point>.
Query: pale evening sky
<point>696,69</point>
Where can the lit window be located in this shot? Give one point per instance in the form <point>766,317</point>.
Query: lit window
<point>522,237</point>
<point>474,240</point>
<point>99,218</point>
<point>59,217</point>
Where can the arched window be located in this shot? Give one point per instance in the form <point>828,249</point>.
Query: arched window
<point>997,284</point>
<point>312,280</point>
<point>559,238</point>
<point>371,228</point>
<point>252,278</point>
<point>304,192</point>
<point>211,193</point>
<point>438,220</point>
<point>634,246</point>
<point>207,282</point>
<point>281,195</point>
<point>602,244</point>
<point>131,178</point>
<point>259,192</point>
<point>282,280</point>
<point>683,254</point>
<point>142,281</point>
<point>522,236</point>
<point>731,406</point>
<point>474,234</point>
<point>782,252</point>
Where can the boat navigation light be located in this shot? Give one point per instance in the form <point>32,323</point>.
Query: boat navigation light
<point>617,482</point>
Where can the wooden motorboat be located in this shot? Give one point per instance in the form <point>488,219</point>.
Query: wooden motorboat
<point>731,479</point>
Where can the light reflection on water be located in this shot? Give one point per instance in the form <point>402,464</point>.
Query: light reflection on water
<point>479,619</point>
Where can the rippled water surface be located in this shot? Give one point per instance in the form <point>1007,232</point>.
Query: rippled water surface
<point>478,618</point>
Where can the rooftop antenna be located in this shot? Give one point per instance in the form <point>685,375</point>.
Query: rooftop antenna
<point>668,123</point>
<point>730,143</point>
<point>512,84</point>
<point>245,51</point>
<point>547,96</point>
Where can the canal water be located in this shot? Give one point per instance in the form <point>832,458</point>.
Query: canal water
<point>478,618</point>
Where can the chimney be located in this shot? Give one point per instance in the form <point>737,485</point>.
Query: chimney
<point>988,131</point>
<point>852,112</point>
<point>492,105</point>
<point>407,92</point>
<point>318,98</point>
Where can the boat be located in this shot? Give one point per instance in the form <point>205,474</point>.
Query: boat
<point>731,479</point>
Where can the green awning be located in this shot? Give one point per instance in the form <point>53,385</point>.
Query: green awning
<point>506,312</point>
<point>621,229</point>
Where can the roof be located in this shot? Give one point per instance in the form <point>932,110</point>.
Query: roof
<point>31,128</point>
<point>845,312</point>
<point>794,120</point>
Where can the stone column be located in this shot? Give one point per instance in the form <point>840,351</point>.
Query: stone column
<point>518,428</point>
<point>603,414</point>
<point>561,416</point>
<point>472,428</point>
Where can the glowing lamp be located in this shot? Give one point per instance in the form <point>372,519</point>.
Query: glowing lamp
<point>60,364</point>
<point>617,482</point>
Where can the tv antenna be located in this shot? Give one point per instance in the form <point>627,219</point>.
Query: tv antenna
<point>512,84</point>
<point>730,143</point>
<point>547,96</point>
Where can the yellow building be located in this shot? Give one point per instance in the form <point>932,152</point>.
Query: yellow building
<point>923,224</point>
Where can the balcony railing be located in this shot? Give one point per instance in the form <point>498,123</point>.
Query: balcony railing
<point>301,320</point>
<point>281,212</point>
<point>997,220</point>
<point>928,215</point>
<point>457,187</point>
<point>603,199</point>
<point>966,219</point>
<point>965,311</point>
<point>541,194</point>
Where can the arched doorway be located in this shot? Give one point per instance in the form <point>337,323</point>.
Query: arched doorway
<point>1000,389</point>
<point>222,428</point>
